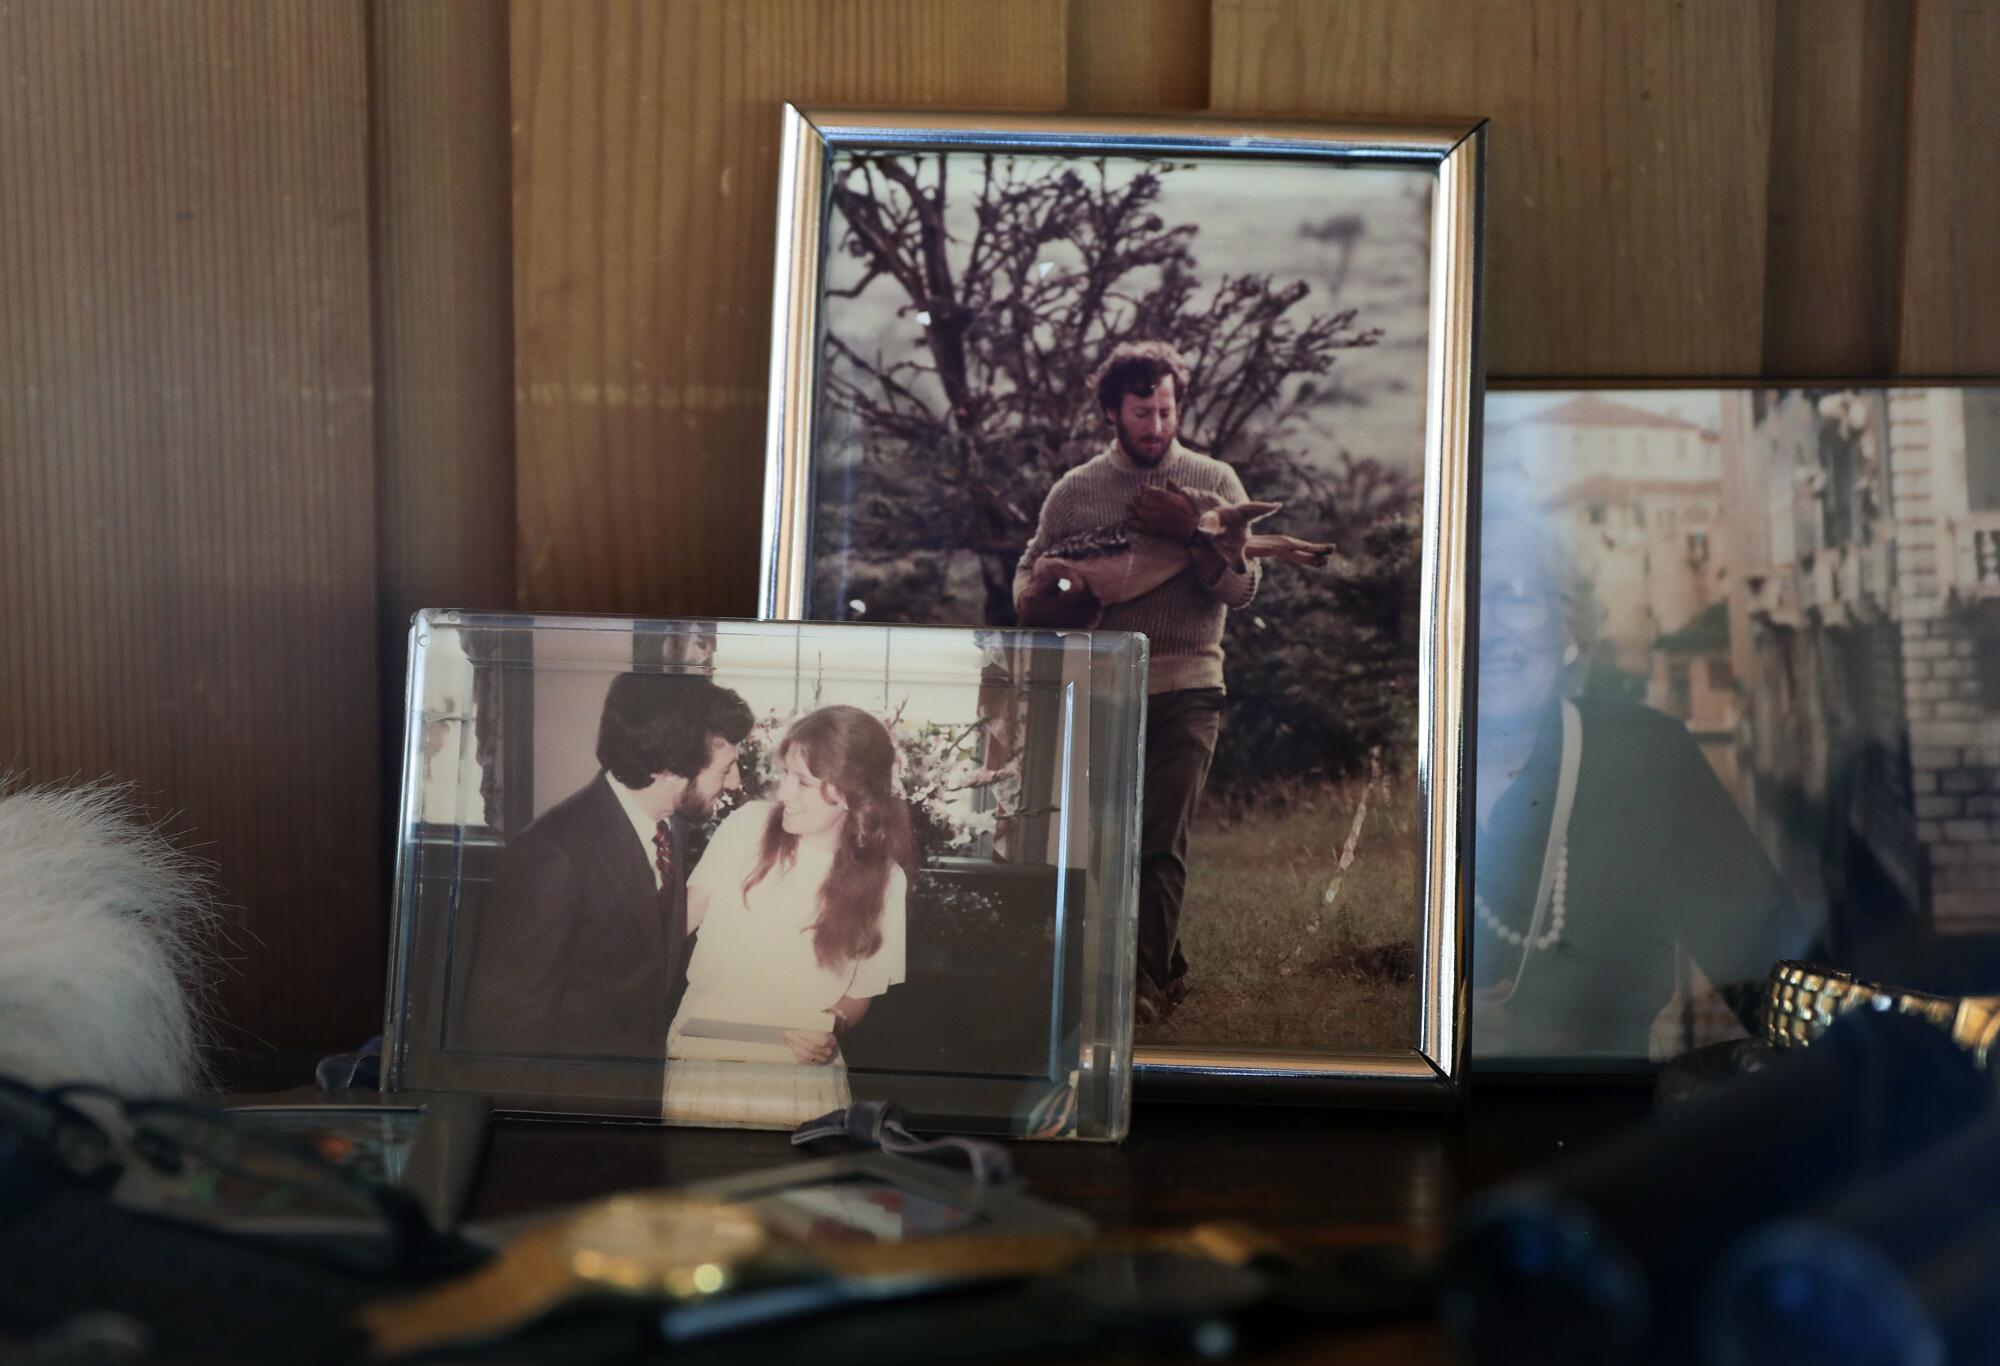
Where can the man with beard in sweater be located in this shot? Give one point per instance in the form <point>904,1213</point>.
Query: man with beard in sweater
<point>1139,389</point>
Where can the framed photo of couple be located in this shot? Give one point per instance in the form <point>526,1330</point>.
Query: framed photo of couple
<point>745,874</point>
<point>1210,381</point>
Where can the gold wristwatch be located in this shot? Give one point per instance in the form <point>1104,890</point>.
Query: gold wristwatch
<point>679,1250</point>
<point>1801,1000</point>
<point>630,1246</point>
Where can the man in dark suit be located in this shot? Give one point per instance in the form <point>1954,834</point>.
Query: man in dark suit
<point>582,947</point>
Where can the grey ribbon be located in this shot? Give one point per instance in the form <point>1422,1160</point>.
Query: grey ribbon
<point>878,1124</point>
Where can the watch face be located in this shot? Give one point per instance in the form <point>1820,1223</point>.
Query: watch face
<point>652,1244</point>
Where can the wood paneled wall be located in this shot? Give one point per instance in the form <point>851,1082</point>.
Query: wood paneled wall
<point>645,156</point>
<point>321,310</point>
<point>1950,296</point>
<point>187,460</point>
<point>444,314</point>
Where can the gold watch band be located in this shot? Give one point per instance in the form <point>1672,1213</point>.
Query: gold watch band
<point>669,1247</point>
<point>505,1294</point>
<point>1801,1000</point>
<point>982,1256</point>
<point>653,1245</point>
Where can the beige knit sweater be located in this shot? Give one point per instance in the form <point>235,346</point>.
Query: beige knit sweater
<point>1182,618</point>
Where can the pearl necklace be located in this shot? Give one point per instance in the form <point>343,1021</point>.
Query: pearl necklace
<point>1557,906</point>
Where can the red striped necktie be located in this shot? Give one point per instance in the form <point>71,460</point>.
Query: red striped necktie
<point>663,853</point>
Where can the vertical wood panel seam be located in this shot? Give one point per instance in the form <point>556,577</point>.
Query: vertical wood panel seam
<point>389,718</point>
<point>377,168</point>
<point>1906,177</point>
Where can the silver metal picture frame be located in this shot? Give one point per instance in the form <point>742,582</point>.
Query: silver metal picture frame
<point>1361,246</point>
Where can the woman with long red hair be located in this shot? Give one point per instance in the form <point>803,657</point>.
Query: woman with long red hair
<point>798,907</point>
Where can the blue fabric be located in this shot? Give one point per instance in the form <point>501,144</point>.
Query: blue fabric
<point>359,1070</point>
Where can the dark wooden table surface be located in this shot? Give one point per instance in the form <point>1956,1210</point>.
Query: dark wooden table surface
<point>1320,1175</point>
<point>1324,1178</point>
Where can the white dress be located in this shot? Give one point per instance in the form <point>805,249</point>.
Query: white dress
<point>754,975</point>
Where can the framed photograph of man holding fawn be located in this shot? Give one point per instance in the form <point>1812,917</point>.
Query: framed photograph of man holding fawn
<point>1211,381</point>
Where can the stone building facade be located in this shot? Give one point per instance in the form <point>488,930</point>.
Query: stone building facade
<point>1865,640</point>
<point>1945,452</point>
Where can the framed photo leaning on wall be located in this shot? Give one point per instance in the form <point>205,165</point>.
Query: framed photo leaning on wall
<point>1215,382</point>
<point>1739,702</point>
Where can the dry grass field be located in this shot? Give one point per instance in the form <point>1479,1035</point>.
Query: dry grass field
<point>1271,964</point>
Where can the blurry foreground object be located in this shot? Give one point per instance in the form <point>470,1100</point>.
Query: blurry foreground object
<point>1603,1259</point>
<point>208,1235</point>
<point>102,927</point>
<point>1901,1271</point>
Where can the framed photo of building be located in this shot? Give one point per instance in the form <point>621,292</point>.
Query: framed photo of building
<point>744,874</point>
<point>1215,382</point>
<point>1739,701</point>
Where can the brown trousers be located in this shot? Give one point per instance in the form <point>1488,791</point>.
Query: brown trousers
<point>1181,730</point>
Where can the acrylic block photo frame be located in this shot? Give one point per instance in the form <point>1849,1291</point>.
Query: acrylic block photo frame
<point>737,873</point>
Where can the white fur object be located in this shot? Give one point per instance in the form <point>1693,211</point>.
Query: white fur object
<point>102,928</point>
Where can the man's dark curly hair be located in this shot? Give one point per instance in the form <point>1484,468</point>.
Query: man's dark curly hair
<point>664,723</point>
<point>1137,368</point>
